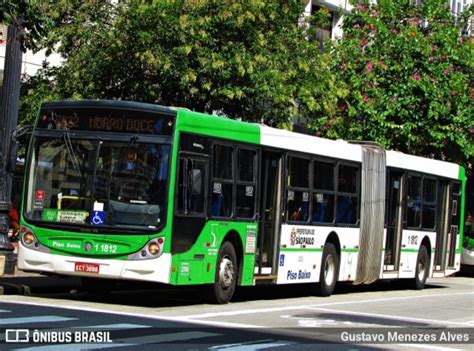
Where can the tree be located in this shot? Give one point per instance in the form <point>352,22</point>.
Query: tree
<point>405,76</point>
<point>246,59</point>
<point>30,24</point>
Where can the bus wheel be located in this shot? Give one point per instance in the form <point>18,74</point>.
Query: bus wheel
<point>226,275</point>
<point>422,268</point>
<point>329,272</point>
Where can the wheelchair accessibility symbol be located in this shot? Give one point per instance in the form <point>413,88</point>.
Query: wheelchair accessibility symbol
<point>98,218</point>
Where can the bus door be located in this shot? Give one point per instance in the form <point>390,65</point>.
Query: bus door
<point>270,214</point>
<point>455,216</point>
<point>448,232</point>
<point>443,235</point>
<point>394,221</point>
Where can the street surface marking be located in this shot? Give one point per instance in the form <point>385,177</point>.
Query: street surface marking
<point>194,319</point>
<point>73,347</point>
<point>311,322</point>
<point>37,319</point>
<point>252,346</point>
<point>112,326</point>
<point>400,318</point>
<point>225,346</point>
<point>139,315</point>
<point>429,347</point>
<point>304,307</point>
<point>172,337</point>
<point>126,342</point>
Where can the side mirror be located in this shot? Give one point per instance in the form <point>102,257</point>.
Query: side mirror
<point>11,165</point>
<point>16,136</point>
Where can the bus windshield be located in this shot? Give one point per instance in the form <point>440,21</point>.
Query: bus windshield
<point>97,182</point>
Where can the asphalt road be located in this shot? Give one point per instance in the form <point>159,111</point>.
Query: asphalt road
<point>379,316</point>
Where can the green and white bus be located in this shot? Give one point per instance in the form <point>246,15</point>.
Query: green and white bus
<point>134,191</point>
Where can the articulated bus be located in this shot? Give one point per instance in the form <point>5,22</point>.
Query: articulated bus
<point>135,191</point>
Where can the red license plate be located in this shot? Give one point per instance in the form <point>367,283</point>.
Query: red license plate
<point>86,267</point>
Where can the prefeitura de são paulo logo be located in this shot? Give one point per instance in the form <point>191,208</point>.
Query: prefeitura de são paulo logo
<point>293,236</point>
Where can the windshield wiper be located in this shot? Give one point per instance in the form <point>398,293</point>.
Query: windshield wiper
<point>94,174</point>
<point>72,153</point>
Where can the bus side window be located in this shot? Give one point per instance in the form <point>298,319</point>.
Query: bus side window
<point>414,202</point>
<point>246,183</point>
<point>428,218</point>
<point>222,181</point>
<point>298,189</point>
<point>323,195</point>
<point>191,186</point>
<point>347,197</point>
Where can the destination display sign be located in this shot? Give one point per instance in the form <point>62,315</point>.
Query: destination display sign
<point>106,120</point>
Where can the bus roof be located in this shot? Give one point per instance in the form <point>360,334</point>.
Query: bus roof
<point>195,122</point>
<point>130,105</point>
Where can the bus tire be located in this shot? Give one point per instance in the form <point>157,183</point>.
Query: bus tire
<point>422,268</point>
<point>225,279</point>
<point>329,272</point>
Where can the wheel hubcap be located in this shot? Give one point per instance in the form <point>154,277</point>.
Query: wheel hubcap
<point>226,272</point>
<point>329,269</point>
<point>421,270</point>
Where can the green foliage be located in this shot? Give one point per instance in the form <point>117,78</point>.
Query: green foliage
<point>247,59</point>
<point>404,78</point>
<point>39,21</point>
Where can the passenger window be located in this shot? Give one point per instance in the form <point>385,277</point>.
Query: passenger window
<point>428,217</point>
<point>323,208</point>
<point>246,187</point>
<point>323,175</point>
<point>192,186</point>
<point>298,195</point>
<point>347,200</point>
<point>298,172</point>
<point>429,190</point>
<point>221,199</point>
<point>245,201</point>
<point>222,186</point>
<point>246,165</point>
<point>414,202</point>
<point>298,206</point>
<point>346,212</point>
<point>347,179</point>
<point>223,162</point>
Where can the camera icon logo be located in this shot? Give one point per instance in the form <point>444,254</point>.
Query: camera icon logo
<point>17,335</point>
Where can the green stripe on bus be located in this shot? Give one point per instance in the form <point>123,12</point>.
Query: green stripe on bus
<point>301,250</point>
<point>313,250</point>
<point>194,122</point>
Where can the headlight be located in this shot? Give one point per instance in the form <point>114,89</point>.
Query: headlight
<point>29,240</point>
<point>152,249</point>
<point>27,236</point>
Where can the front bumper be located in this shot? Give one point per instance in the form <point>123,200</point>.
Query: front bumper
<point>156,270</point>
